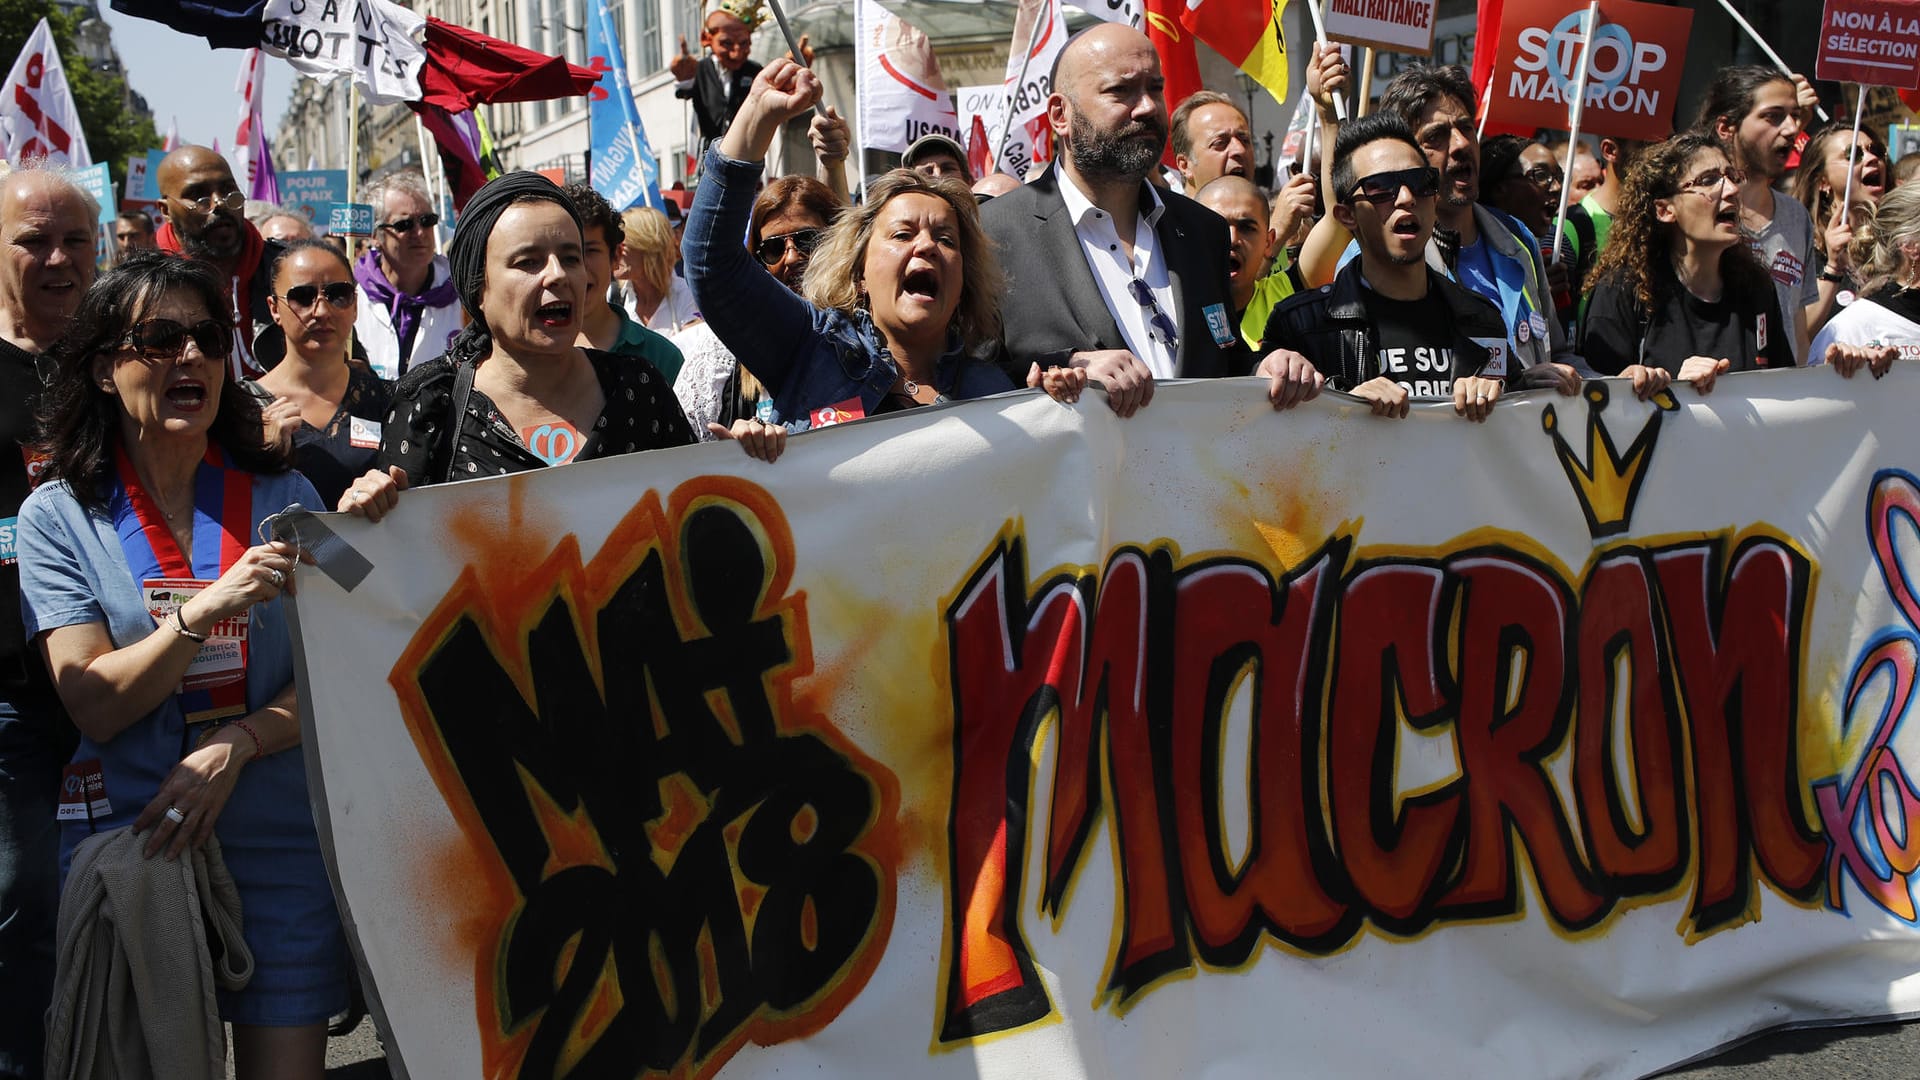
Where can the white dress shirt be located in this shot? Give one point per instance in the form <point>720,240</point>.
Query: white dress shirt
<point>1112,270</point>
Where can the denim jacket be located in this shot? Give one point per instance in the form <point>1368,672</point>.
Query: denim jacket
<point>808,357</point>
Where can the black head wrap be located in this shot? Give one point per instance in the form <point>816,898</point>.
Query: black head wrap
<point>468,252</point>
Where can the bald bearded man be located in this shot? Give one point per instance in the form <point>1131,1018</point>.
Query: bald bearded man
<point>1103,270</point>
<point>46,266</point>
<point>203,207</point>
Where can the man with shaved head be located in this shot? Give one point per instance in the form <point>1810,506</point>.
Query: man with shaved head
<point>1104,271</point>
<point>1251,239</point>
<point>46,266</point>
<point>203,208</point>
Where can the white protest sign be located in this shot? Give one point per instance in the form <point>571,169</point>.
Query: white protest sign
<point>902,95</point>
<point>1039,33</point>
<point>37,114</point>
<point>374,41</point>
<point>1129,12</point>
<point>1404,26</point>
<point>137,180</point>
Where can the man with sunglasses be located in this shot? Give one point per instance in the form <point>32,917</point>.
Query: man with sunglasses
<point>46,266</point>
<point>1391,328</point>
<point>203,207</point>
<point>717,83</point>
<point>408,306</point>
<point>1485,250</point>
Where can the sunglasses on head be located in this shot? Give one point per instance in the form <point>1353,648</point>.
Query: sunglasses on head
<point>165,339</point>
<point>337,293</point>
<point>406,225</point>
<point>772,249</point>
<point>1384,187</point>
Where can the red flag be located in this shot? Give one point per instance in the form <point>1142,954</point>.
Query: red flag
<point>1178,64</point>
<point>467,68</point>
<point>1486,42</point>
<point>457,136</point>
<point>979,151</point>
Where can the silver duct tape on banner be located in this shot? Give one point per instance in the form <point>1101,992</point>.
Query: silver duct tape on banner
<point>335,557</point>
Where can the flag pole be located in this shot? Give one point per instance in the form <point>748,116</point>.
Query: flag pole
<point>1573,118</point>
<point>1366,80</point>
<point>1026,58</point>
<point>353,139</point>
<point>1320,38</point>
<point>1764,47</point>
<point>1853,152</point>
<point>793,46</point>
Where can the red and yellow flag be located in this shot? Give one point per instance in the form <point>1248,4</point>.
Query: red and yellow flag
<point>1246,32</point>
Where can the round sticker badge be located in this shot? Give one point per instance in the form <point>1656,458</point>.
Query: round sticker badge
<point>1523,331</point>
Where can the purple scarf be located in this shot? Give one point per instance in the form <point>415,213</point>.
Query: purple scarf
<point>404,308</point>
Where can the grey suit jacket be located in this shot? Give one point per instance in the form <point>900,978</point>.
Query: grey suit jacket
<point>1053,305</point>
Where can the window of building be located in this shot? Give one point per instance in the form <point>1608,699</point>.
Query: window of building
<point>647,56</point>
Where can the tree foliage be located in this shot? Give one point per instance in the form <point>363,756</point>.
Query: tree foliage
<point>114,131</point>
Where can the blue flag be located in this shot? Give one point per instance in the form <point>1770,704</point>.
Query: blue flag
<point>624,169</point>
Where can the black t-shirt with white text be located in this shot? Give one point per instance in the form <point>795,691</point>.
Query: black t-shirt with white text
<point>1745,329</point>
<point>1414,344</point>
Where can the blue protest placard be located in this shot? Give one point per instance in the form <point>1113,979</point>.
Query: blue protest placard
<point>350,219</point>
<point>313,192</point>
<point>99,184</point>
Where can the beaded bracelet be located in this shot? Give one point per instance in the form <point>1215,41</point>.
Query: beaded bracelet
<point>259,748</point>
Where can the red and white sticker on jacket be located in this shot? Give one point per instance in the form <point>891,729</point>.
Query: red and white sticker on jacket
<point>1760,334</point>
<point>837,413</point>
<point>363,434</point>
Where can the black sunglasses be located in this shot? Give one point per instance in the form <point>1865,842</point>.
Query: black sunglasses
<point>1157,321</point>
<point>338,293</point>
<point>408,224</point>
<point>772,249</point>
<point>1384,187</point>
<point>164,339</point>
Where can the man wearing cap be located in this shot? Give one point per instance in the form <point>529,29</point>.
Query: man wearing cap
<point>937,155</point>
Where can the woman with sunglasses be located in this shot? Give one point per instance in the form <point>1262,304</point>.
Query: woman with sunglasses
<point>789,217</point>
<point>408,308</point>
<point>323,409</point>
<point>1678,287</point>
<point>157,610</point>
<point>902,292</point>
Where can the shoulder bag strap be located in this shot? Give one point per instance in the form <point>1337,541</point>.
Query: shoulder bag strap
<point>462,393</point>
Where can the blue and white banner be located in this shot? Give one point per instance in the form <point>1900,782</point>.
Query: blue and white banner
<point>624,168</point>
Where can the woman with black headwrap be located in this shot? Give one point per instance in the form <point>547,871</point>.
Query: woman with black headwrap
<point>513,391</point>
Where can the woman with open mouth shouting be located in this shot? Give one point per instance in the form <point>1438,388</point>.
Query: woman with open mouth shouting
<point>1822,184</point>
<point>902,294</point>
<point>514,390</point>
<point>159,616</point>
<point>1678,288</point>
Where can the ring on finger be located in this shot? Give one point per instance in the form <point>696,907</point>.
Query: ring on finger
<point>359,496</point>
<point>279,579</point>
<point>174,815</point>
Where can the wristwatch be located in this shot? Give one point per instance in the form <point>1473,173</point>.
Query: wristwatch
<point>1830,274</point>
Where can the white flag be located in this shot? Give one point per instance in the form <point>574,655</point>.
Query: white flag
<point>377,42</point>
<point>902,95</point>
<point>1039,33</point>
<point>1130,12</point>
<point>37,115</point>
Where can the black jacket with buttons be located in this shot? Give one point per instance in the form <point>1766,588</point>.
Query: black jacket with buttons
<point>1332,328</point>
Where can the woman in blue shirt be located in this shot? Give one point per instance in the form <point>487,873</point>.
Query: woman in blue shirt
<point>902,294</point>
<point>158,614</point>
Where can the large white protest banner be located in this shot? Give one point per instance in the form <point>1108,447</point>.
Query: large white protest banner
<point>1016,739</point>
<point>902,95</point>
<point>38,118</point>
<point>375,42</point>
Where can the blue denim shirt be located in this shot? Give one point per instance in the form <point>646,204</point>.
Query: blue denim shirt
<point>808,357</point>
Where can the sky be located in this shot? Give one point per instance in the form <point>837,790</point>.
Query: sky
<point>183,76</point>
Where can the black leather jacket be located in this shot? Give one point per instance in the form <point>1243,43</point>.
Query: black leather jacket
<point>1330,326</point>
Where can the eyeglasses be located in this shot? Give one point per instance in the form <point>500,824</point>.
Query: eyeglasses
<point>207,204</point>
<point>1157,321</point>
<point>405,225</point>
<point>1545,175</point>
<point>1384,187</point>
<point>165,339</point>
<point>772,249</point>
<point>1712,179</point>
<point>340,294</point>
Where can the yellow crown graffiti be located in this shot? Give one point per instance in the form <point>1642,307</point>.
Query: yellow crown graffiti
<point>1607,482</point>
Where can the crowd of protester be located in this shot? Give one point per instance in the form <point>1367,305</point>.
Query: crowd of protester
<point>227,367</point>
